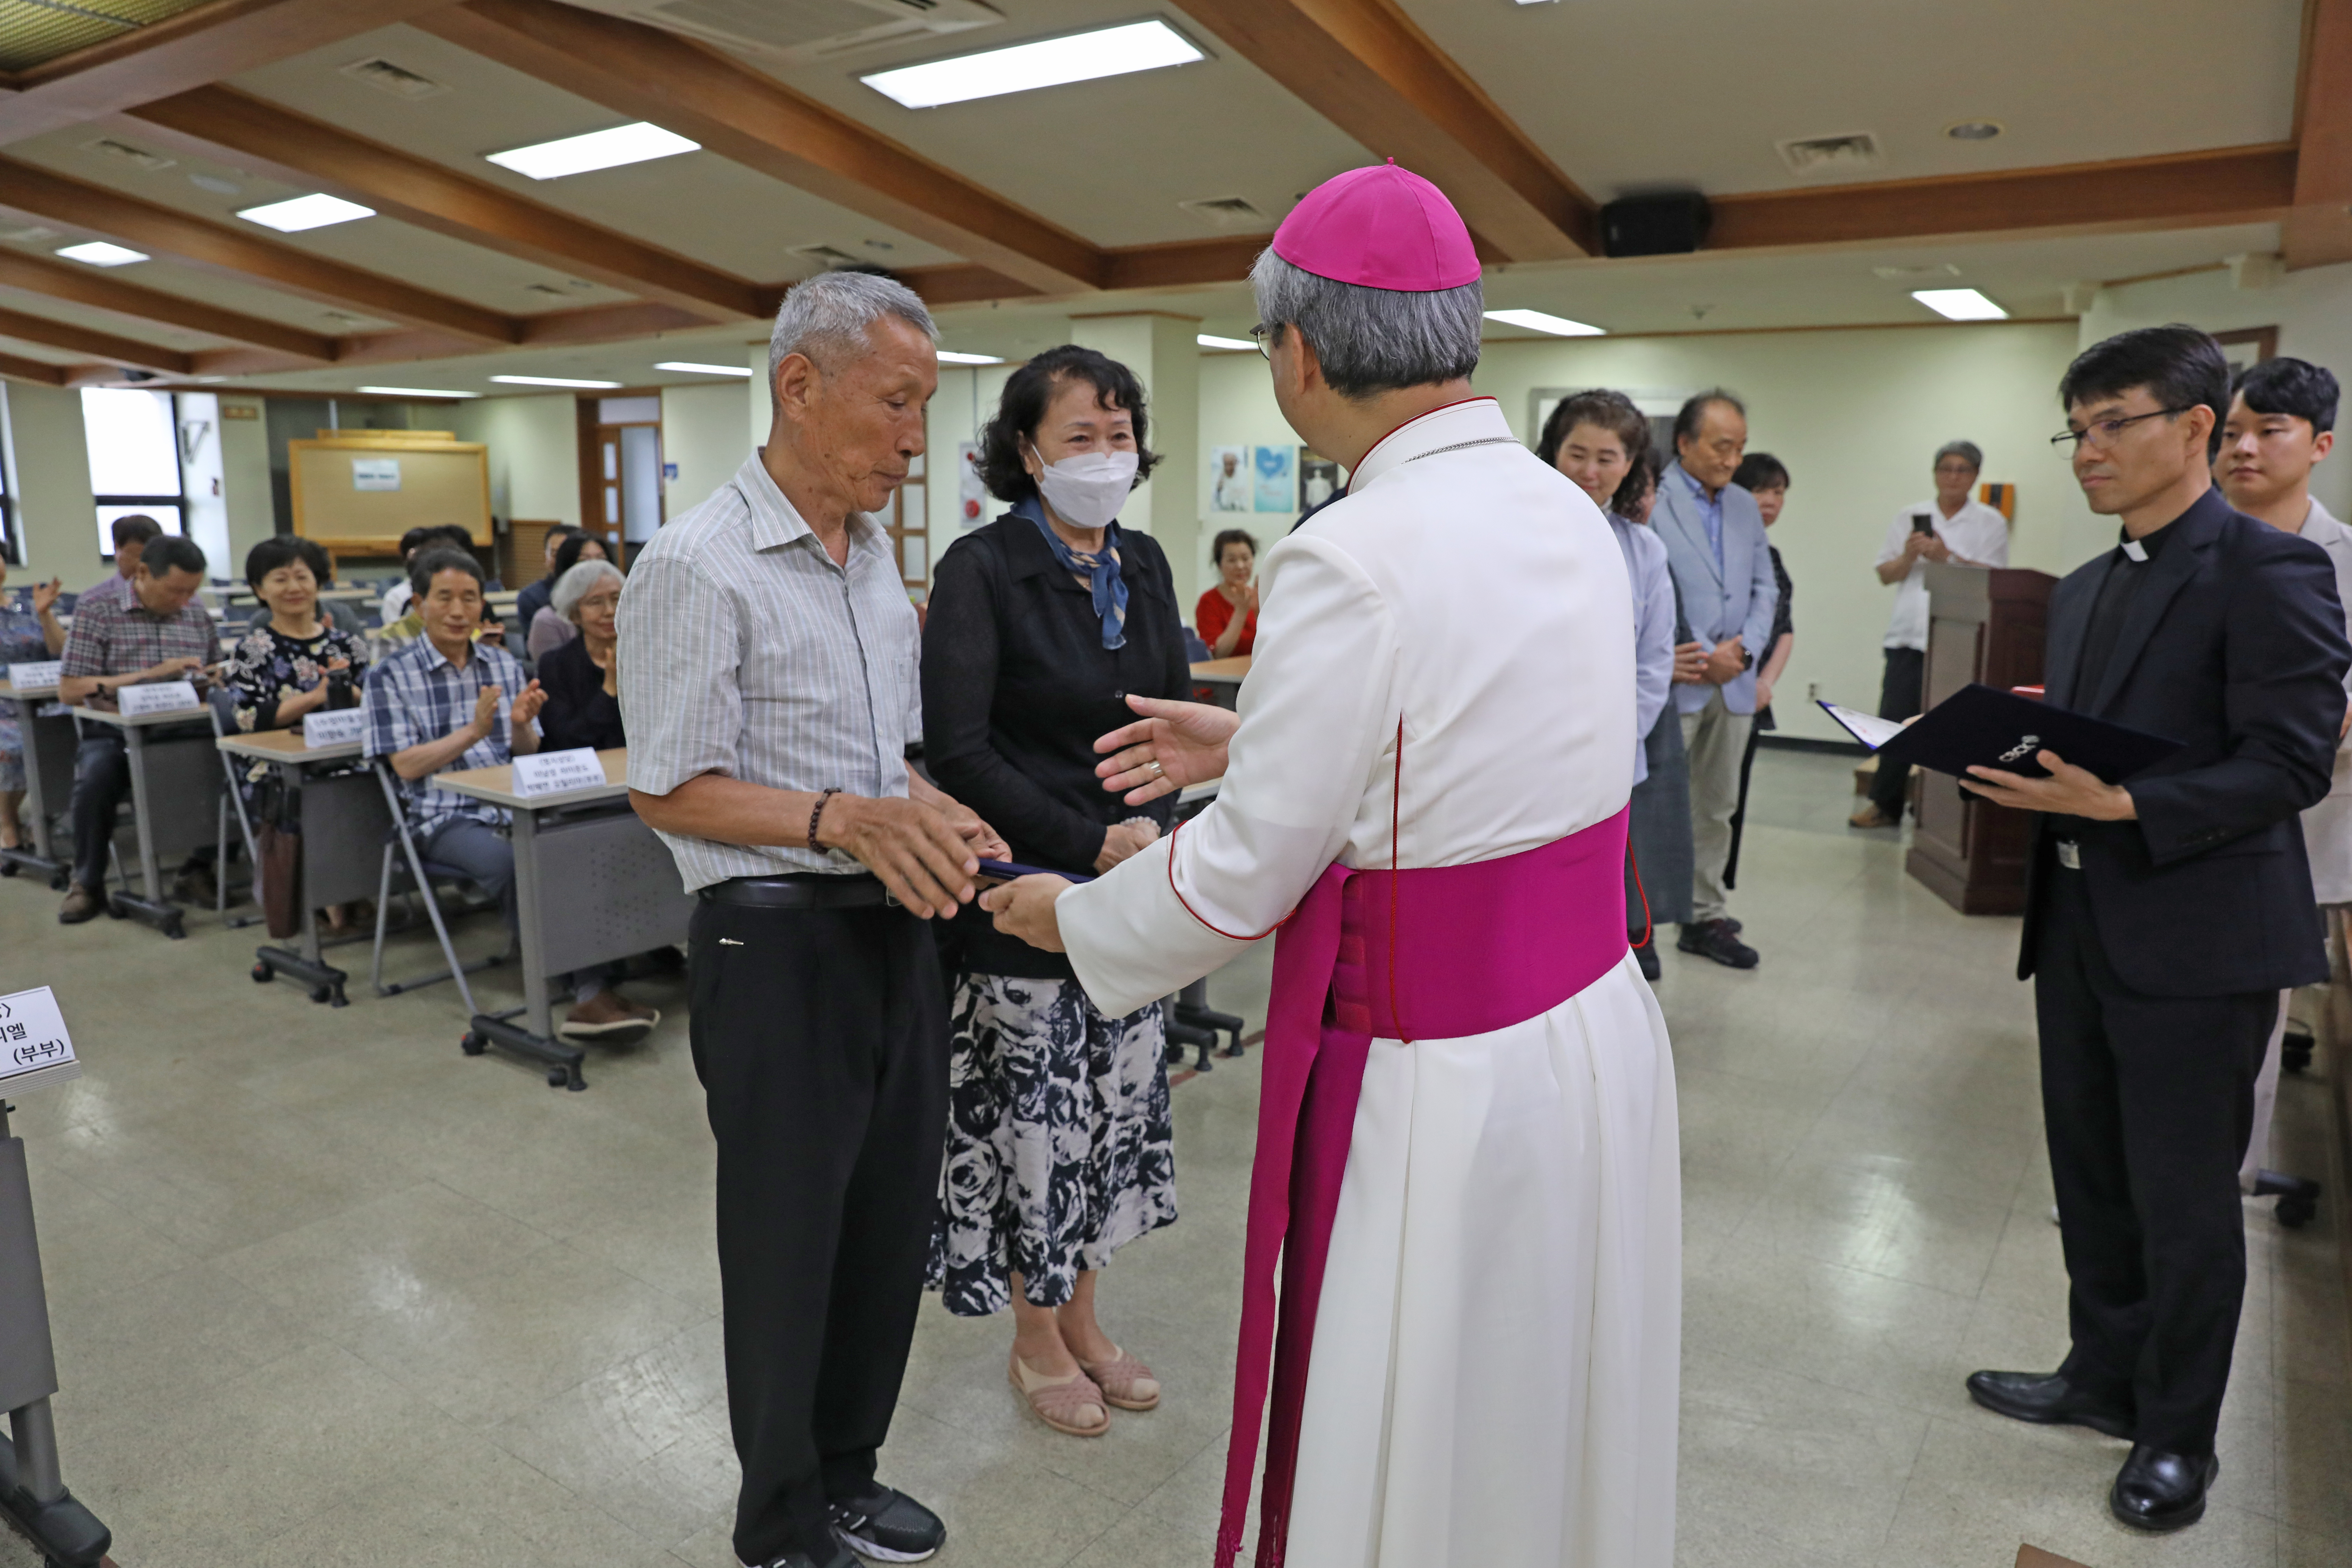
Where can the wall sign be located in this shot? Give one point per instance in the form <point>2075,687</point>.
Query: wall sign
<point>375,473</point>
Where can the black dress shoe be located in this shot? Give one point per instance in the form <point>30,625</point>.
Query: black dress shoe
<point>1646,955</point>
<point>2050,1399</point>
<point>2162,1491</point>
<point>1713,939</point>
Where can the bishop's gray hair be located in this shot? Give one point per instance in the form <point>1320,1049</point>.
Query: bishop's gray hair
<point>1372,340</point>
<point>825,319</point>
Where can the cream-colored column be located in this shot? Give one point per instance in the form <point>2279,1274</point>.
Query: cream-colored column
<point>1162,351</point>
<point>762,399</point>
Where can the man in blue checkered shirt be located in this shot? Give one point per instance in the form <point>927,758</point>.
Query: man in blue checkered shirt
<point>444,702</point>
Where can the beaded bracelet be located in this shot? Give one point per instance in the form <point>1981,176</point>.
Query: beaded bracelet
<point>816,811</point>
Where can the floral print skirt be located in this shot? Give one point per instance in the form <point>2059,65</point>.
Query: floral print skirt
<point>1059,1149</point>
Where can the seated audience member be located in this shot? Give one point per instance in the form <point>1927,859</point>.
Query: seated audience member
<point>582,677</point>
<point>1227,616</point>
<point>296,662</point>
<point>410,625</point>
<point>534,596</point>
<point>395,603</point>
<point>153,633</point>
<point>1766,478</point>
<point>2281,425</point>
<point>130,536</point>
<point>446,701</point>
<point>30,632</point>
<point>550,628</point>
<point>1952,528</point>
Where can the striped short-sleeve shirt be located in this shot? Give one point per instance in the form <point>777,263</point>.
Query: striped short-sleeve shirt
<point>746,652</point>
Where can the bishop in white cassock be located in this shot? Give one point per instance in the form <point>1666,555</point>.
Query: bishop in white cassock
<point>1467,1154</point>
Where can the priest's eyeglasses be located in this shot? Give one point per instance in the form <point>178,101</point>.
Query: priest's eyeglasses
<point>2102,433</point>
<point>1263,336</point>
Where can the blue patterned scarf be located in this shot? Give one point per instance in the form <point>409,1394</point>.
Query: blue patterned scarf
<point>1098,568</point>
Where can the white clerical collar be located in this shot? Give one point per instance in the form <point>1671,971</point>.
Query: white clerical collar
<point>1473,419</point>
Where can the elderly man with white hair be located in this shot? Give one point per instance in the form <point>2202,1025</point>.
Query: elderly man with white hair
<point>769,673</point>
<point>1467,1152</point>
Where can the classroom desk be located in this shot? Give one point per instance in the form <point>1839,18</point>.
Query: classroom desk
<point>49,785</point>
<point>345,825</point>
<point>176,790</point>
<point>1224,677</point>
<point>593,884</point>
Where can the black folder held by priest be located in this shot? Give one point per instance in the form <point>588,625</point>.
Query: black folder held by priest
<point>1983,726</point>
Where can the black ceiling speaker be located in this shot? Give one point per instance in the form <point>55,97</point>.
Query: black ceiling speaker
<point>1671,225</point>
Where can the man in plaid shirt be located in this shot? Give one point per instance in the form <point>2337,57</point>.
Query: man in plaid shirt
<point>152,632</point>
<point>444,702</point>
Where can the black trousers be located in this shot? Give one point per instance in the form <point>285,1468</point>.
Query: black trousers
<point>2147,1102</point>
<point>820,1039</point>
<point>1899,696</point>
<point>101,783</point>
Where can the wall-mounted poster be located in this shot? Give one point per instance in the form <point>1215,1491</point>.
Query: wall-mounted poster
<point>1276,489</point>
<point>1318,478</point>
<point>1229,479</point>
<point>972,496</point>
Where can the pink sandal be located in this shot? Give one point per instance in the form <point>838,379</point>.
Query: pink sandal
<point>1061,1403</point>
<point>1125,1381</point>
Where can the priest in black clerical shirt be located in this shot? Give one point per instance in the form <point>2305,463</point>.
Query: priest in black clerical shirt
<point>2165,913</point>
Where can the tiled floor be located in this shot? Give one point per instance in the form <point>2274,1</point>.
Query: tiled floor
<point>327,1292</point>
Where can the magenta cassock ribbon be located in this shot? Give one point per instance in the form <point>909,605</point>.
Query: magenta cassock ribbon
<point>1436,953</point>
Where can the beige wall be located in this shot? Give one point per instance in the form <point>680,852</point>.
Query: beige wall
<point>245,481</point>
<point>703,433</point>
<point>50,474</point>
<point>534,454</point>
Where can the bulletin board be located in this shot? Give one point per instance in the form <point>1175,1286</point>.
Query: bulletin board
<point>357,491</point>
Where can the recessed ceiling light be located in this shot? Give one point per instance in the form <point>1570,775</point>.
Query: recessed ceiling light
<point>415,392</point>
<point>99,253</point>
<point>948,356</point>
<point>299,213</point>
<point>554,381</point>
<point>216,185</point>
<point>1044,62</point>
<point>1960,304</point>
<point>1211,341</point>
<point>1539,321</point>
<point>596,149</point>
<point>398,80</point>
<point>743,370</point>
<point>1974,130</point>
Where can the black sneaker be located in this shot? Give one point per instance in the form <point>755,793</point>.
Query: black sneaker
<point>887,1527</point>
<point>1646,955</point>
<point>1713,939</point>
<point>840,1559</point>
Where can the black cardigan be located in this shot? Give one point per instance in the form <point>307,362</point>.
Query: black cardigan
<point>1016,687</point>
<point>579,711</point>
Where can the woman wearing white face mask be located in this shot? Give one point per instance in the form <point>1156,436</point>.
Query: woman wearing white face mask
<point>1058,1141</point>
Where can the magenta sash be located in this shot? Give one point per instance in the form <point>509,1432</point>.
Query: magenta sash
<point>1483,946</point>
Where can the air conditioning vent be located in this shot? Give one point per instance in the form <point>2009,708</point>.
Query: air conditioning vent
<point>123,152</point>
<point>1930,270</point>
<point>1854,152</point>
<point>803,32</point>
<point>1226,212</point>
<point>398,80</point>
<point>827,256</point>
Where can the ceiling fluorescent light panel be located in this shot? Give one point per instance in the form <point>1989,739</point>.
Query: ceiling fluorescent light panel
<point>948,356</point>
<point>1543,321</point>
<point>681,365</point>
<point>596,149</point>
<point>298,213</point>
<point>99,253</point>
<point>1960,304</point>
<point>1044,62</point>
<point>556,381</point>
<point>413,391</point>
<point>1211,341</point>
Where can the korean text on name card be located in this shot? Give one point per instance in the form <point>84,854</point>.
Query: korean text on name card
<point>344,727</point>
<point>36,677</point>
<point>158,697</point>
<point>35,1048</point>
<point>557,773</point>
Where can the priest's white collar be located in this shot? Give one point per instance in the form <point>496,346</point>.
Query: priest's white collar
<point>1473,419</point>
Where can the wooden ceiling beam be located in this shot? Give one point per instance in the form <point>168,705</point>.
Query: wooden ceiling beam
<point>589,324</point>
<point>196,47</point>
<point>1364,65</point>
<point>2319,228</point>
<point>752,119</point>
<point>2186,190</point>
<point>83,340</point>
<point>15,367</point>
<point>88,286</point>
<point>166,231</point>
<point>250,133</point>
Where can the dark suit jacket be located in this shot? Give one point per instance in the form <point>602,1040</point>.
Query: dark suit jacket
<point>2234,647</point>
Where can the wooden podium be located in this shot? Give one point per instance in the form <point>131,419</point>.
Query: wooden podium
<point>1983,626</point>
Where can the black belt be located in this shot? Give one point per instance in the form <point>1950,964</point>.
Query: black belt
<point>803,891</point>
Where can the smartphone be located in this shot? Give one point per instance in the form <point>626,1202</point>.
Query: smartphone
<point>1921,522</point>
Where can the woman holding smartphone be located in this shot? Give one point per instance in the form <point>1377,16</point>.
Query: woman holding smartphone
<point>1040,624</point>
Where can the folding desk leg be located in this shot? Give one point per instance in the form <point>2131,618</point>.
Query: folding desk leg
<point>310,964</point>
<point>32,1491</point>
<point>154,909</point>
<point>538,1042</point>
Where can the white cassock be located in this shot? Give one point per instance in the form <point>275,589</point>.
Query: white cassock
<point>1496,1358</point>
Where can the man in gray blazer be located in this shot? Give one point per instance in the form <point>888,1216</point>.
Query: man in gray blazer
<point>1715,543</point>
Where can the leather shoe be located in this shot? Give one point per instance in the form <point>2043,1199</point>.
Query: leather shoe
<point>1713,939</point>
<point>2048,1399</point>
<point>1646,955</point>
<point>81,904</point>
<point>2156,1491</point>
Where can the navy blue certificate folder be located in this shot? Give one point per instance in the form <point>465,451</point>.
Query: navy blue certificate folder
<point>994,871</point>
<point>1983,726</point>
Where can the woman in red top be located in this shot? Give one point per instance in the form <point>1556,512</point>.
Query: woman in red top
<point>1227,616</point>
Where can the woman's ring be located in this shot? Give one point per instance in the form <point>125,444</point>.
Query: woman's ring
<point>1156,770</point>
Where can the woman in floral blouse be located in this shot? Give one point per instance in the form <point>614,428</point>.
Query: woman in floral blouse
<point>296,661</point>
<point>29,634</point>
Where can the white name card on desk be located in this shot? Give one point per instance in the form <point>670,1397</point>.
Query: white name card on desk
<point>35,1048</point>
<point>342,727</point>
<point>36,677</point>
<point>157,697</point>
<point>557,773</point>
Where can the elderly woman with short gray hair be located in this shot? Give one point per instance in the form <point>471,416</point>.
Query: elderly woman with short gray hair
<point>582,677</point>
